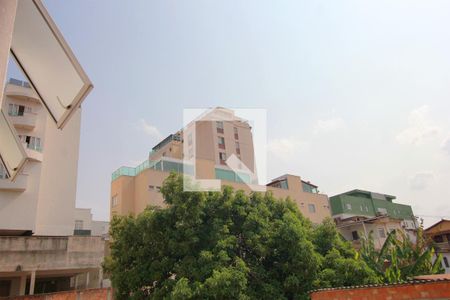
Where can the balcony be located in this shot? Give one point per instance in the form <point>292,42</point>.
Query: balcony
<point>26,121</point>
<point>21,90</point>
<point>443,247</point>
<point>33,152</point>
<point>18,185</point>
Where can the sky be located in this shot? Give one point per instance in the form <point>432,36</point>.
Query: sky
<point>356,92</point>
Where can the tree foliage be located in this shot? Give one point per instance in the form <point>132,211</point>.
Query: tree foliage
<point>399,259</point>
<point>227,245</point>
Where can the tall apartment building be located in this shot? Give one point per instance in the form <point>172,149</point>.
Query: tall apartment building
<point>207,143</point>
<point>42,199</point>
<point>439,233</point>
<point>38,250</point>
<point>358,213</point>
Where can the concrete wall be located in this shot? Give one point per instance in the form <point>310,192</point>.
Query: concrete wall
<point>100,228</point>
<point>58,184</point>
<point>85,215</point>
<point>50,253</point>
<point>428,290</point>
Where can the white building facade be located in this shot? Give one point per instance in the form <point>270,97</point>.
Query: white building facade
<point>41,200</point>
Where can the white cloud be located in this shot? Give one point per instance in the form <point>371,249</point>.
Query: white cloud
<point>420,128</point>
<point>421,180</point>
<point>150,130</point>
<point>287,148</point>
<point>330,125</point>
<point>446,145</point>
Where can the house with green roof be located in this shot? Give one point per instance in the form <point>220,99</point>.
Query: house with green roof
<point>359,213</point>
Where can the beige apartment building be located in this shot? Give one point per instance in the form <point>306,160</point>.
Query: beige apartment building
<point>38,250</point>
<point>202,149</point>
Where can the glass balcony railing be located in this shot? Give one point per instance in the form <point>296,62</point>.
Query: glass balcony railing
<point>19,82</point>
<point>34,147</point>
<point>160,165</point>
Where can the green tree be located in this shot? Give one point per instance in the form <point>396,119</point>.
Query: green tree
<point>226,245</point>
<point>340,266</point>
<point>399,259</point>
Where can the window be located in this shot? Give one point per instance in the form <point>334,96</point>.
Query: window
<point>219,126</point>
<point>311,208</point>
<point>222,156</point>
<point>221,142</point>
<point>78,224</point>
<point>238,148</point>
<point>32,142</point>
<point>18,110</point>
<point>3,174</point>
<point>348,206</point>
<point>355,235</point>
<point>438,239</point>
<point>236,135</point>
<point>381,233</point>
<point>446,262</point>
<point>382,210</point>
<point>309,188</point>
<point>114,201</point>
<point>151,187</point>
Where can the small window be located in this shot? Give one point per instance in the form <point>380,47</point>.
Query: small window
<point>446,262</point>
<point>348,206</point>
<point>222,156</point>
<point>381,233</point>
<point>221,140</point>
<point>3,174</point>
<point>219,125</point>
<point>78,224</point>
<point>355,235</point>
<point>17,110</point>
<point>236,135</point>
<point>114,201</point>
<point>311,208</point>
<point>151,187</point>
<point>237,145</point>
<point>158,188</point>
<point>438,238</point>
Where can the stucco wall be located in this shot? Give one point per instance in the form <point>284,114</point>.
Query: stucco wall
<point>50,253</point>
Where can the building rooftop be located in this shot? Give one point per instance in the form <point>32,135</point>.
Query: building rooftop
<point>373,195</point>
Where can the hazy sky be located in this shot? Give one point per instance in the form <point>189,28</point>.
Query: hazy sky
<point>357,92</point>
